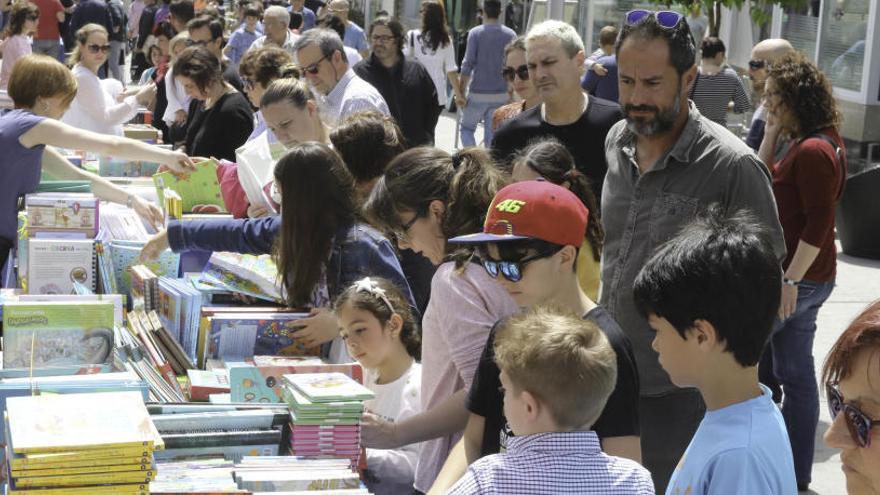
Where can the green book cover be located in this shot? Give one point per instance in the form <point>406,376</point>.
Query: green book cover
<point>40,334</point>
<point>200,190</point>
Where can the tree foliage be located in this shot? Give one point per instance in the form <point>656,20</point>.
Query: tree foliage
<point>760,10</point>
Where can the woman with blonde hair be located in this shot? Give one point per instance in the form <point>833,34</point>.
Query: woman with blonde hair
<point>95,107</point>
<point>42,89</point>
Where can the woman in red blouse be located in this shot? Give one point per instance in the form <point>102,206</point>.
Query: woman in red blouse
<point>807,182</point>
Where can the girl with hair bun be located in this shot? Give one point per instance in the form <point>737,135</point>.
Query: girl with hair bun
<point>381,334</point>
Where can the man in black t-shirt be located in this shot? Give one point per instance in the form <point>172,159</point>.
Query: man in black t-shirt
<point>555,54</point>
<point>535,261</point>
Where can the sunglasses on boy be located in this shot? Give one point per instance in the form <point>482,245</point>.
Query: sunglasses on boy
<point>665,18</point>
<point>512,270</point>
<point>522,72</point>
<point>99,48</point>
<point>858,423</point>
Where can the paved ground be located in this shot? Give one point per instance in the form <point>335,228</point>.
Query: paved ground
<point>858,283</point>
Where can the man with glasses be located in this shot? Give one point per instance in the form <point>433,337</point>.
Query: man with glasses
<point>666,163</point>
<point>275,22</point>
<point>481,76</point>
<point>764,54</point>
<point>208,32</point>
<point>555,57</point>
<point>405,85</point>
<point>321,56</point>
<point>354,35</point>
<point>534,260</point>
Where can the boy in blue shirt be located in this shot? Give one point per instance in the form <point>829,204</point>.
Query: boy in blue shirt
<point>244,36</point>
<point>711,294</point>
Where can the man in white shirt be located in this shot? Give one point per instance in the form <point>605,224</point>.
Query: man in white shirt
<point>275,22</point>
<point>321,56</point>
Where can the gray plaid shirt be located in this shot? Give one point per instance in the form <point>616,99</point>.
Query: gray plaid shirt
<point>707,165</point>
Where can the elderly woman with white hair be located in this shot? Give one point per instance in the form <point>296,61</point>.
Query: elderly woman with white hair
<point>276,20</point>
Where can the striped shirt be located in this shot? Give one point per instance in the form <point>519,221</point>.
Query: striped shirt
<point>712,93</point>
<point>350,95</point>
<point>563,462</point>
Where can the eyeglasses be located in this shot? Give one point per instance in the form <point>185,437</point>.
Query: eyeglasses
<point>512,270</point>
<point>403,233</point>
<point>522,72</point>
<point>757,64</point>
<point>858,423</point>
<point>665,18</point>
<point>99,48</point>
<point>313,68</point>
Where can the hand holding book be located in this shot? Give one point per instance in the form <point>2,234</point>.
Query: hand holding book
<point>320,327</point>
<point>148,211</point>
<point>155,246</point>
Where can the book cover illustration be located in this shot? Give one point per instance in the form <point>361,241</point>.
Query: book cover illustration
<point>329,387</point>
<point>54,265</point>
<point>255,276</point>
<point>126,254</point>
<point>234,336</point>
<point>263,382</point>
<point>58,333</point>
<point>62,211</point>
<point>199,191</point>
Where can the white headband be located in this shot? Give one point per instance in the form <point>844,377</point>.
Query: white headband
<point>371,287</point>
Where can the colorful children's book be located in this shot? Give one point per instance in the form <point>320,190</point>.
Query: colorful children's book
<point>37,334</point>
<point>237,336</point>
<point>126,254</point>
<point>62,211</point>
<point>55,264</point>
<point>199,191</point>
<point>328,387</point>
<point>262,381</point>
<point>255,276</point>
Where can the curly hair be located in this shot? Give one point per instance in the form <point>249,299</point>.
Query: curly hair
<point>806,92</point>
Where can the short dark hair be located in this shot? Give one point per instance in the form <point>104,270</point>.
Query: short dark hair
<point>200,65</point>
<point>393,25</point>
<point>204,21</point>
<point>296,20</point>
<point>253,10</point>
<point>721,269</point>
<point>334,23</point>
<point>491,9</point>
<point>682,52</point>
<point>165,29</point>
<point>608,35</point>
<point>712,46</point>
<point>367,142</point>
<point>182,10</point>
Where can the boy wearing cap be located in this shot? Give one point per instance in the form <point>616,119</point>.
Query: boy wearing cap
<point>557,371</point>
<point>534,260</point>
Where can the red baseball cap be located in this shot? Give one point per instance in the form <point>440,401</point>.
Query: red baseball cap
<point>534,209</point>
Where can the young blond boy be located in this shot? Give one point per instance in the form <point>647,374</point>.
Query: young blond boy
<point>557,371</point>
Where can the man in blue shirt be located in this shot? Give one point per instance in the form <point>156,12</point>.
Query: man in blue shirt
<point>481,74</point>
<point>354,34</point>
<point>308,15</point>
<point>604,87</point>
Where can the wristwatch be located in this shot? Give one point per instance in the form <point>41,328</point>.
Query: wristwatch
<point>788,281</point>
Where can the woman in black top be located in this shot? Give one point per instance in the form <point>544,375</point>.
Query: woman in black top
<point>220,118</point>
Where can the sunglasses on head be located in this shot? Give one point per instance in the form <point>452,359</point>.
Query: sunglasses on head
<point>512,270</point>
<point>99,48</point>
<point>757,64</point>
<point>522,72</point>
<point>665,18</point>
<point>313,68</point>
<point>858,423</point>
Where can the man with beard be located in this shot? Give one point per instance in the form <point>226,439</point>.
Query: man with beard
<point>555,57</point>
<point>666,163</point>
<point>764,54</point>
<point>406,86</point>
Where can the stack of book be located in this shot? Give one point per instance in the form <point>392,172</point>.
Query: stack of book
<point>80,444</point>
<point>325,413</point>
<point>296,475</point>
<point>259,379</point>
<point>180,306</point>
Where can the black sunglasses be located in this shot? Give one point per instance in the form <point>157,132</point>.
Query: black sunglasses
<point>665,18</point>
<point>757,64</point>
<point>33,17</point>
<point>512,270</point>
<point>99,48</point>
<point>522,72</point>
<point>858,423</point>
<point>313,68</point>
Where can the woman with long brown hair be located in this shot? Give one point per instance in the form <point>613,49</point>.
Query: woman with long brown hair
<point>432,46</point>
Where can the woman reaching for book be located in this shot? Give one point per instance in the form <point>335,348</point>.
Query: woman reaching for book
<point>381,334</point>
<point>317,242</point>
<point>42,90</point>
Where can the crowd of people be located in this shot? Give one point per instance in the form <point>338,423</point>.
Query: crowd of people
<point>615,294</point>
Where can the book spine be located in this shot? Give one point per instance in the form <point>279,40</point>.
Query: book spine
<point>26,464</point>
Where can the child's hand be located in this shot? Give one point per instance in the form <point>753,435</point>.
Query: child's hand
<point>376,433</point>
<point>155,246</point>
<point>600,69</point>
<point>320,327</point>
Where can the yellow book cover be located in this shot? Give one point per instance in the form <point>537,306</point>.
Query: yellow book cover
<point>131,489</point>
<point>58,471</point>
<point>59,423</point>
<point>79,461</point>
<point>204,327</point>
<point>86,479</point>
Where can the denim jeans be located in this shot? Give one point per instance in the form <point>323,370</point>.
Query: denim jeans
<point>116,50</point>
<point>479,109</point>
<point>51,48</point>
<point>791,349</point>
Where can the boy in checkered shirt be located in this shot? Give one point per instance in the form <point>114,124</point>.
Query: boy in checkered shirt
<point>557,371</point>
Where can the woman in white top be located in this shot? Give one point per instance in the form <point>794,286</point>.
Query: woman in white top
<point>432,47</point>
<point>100,106</point>
<point>381,334</point>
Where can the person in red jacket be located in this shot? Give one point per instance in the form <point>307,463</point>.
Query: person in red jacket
<point>807,182</point>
